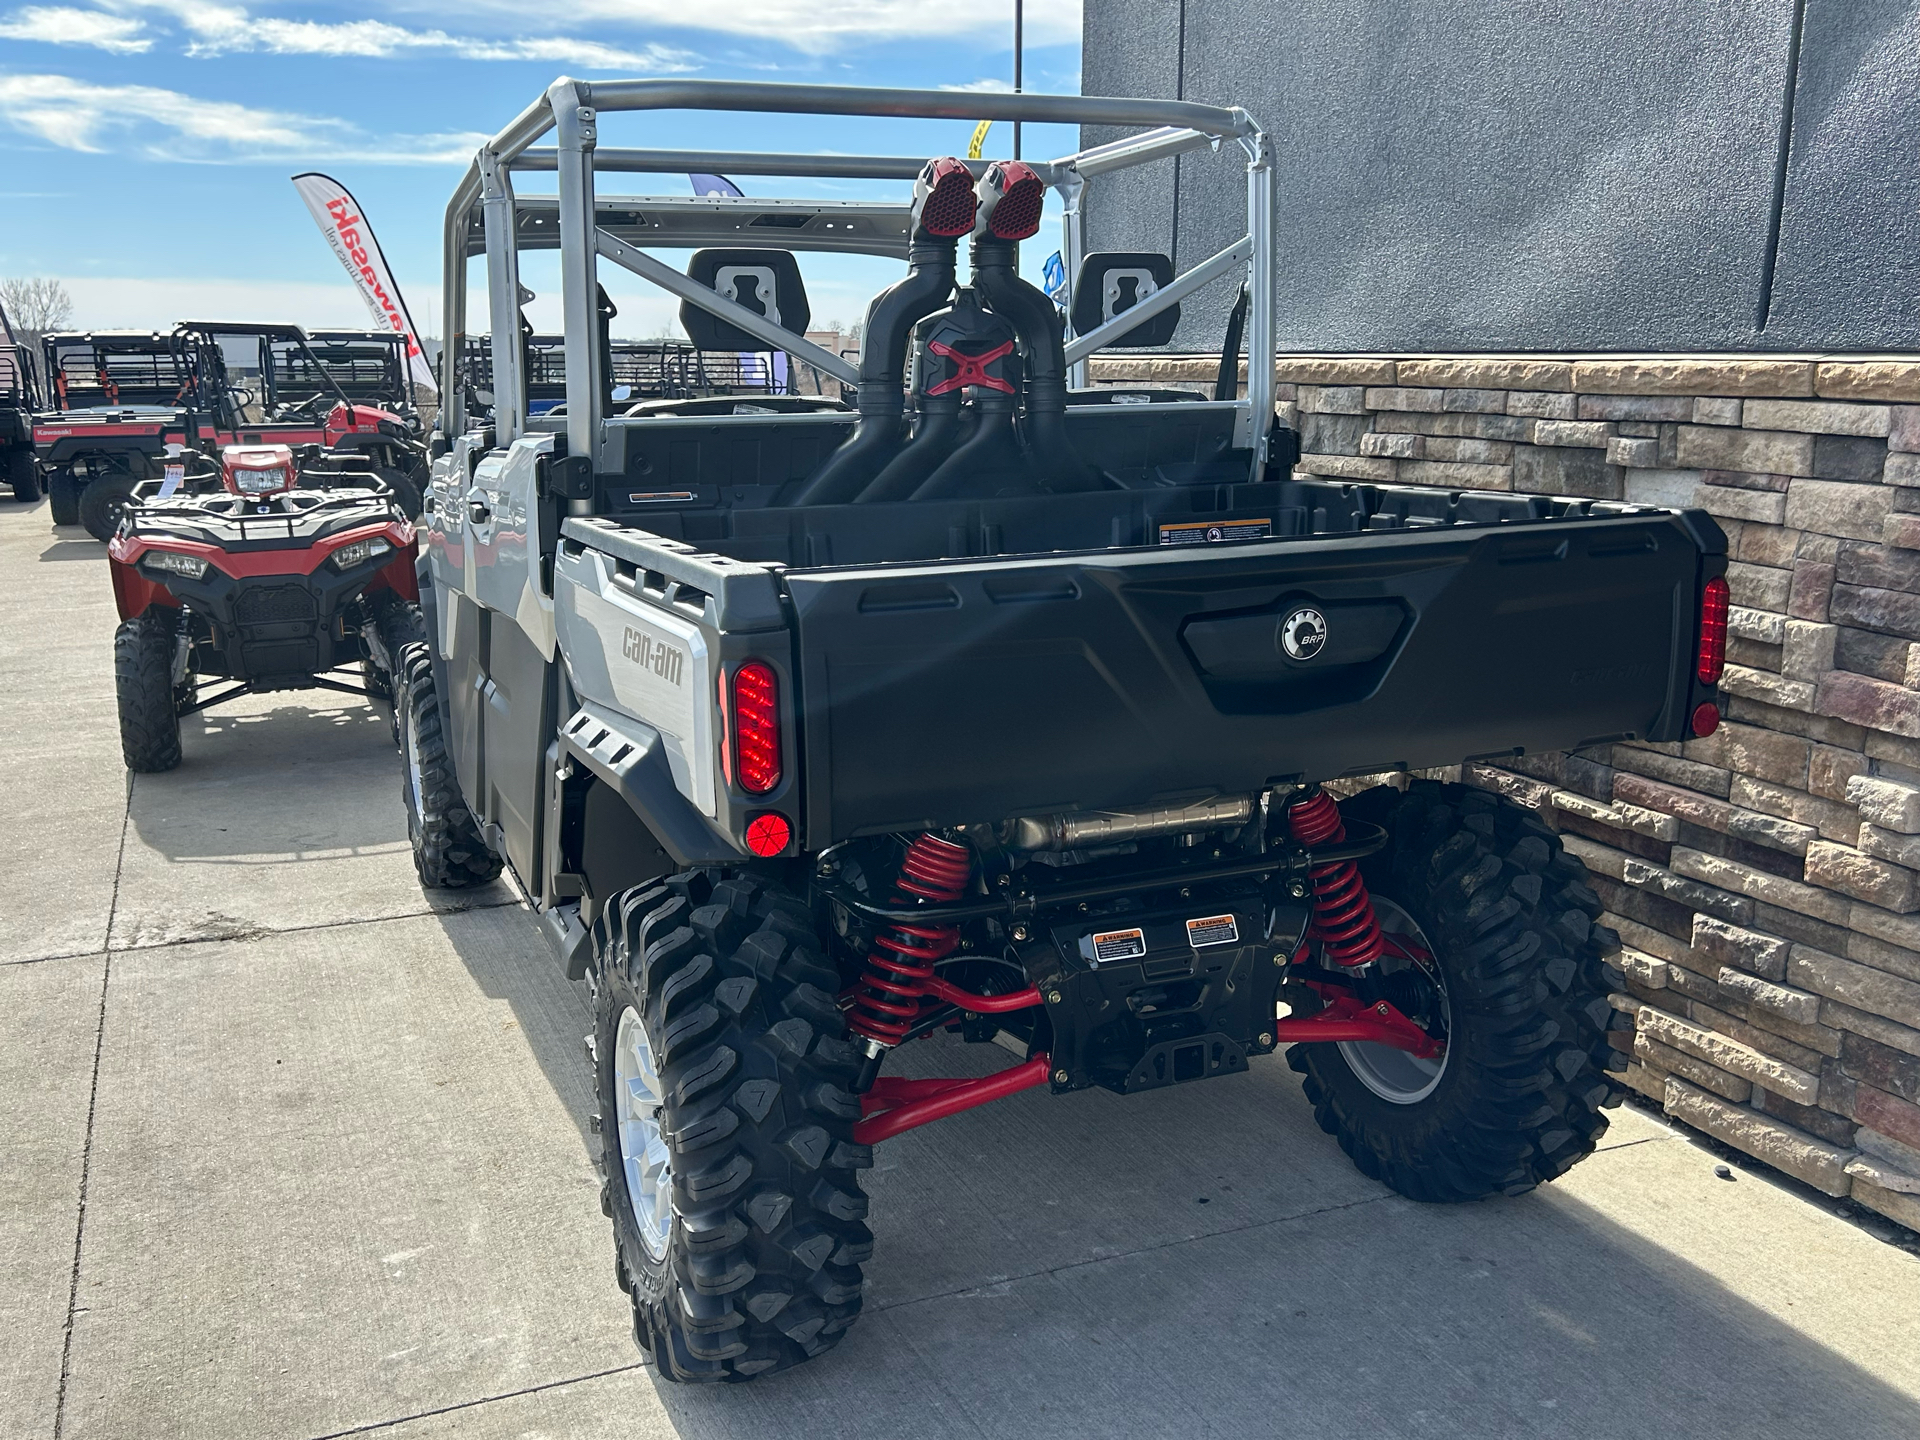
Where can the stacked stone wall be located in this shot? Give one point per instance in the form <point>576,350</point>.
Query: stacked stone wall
<point>1765,881</point>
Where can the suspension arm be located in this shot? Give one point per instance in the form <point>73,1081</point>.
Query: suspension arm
<point>1346,1018</point>
<point>893,1106</point>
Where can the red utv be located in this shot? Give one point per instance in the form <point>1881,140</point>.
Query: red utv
<point>261,573</point>
<point>125,403</point>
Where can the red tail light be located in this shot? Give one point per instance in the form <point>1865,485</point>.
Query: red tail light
<point>1706,719</point>
<point>1713,631</point>
<point>756,728</point>
<point>768,834</point>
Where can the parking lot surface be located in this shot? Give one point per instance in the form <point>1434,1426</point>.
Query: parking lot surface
<point>295,1150</point>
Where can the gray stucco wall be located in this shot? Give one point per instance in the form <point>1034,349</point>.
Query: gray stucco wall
<point>1542,174</point>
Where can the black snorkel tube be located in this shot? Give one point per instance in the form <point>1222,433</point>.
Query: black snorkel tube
<point>1010,199</point>
<point>943,210</point>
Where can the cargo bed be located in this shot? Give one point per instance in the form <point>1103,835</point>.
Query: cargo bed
<point>992,673</point>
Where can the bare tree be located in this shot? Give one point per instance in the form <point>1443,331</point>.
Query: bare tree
<point>34,307</point>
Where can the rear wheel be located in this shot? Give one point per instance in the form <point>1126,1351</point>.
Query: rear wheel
<point>448,850</point>
<point>406,489</point>
<point>731,1172</point>
<point>143,651</point>
<point>1516,984</point>
<point>103,502</point>
<point>63,498</point>
<point>23,475</point>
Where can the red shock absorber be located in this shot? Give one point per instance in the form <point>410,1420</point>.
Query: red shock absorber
<point>1343,918</point>
<point>899,974</point>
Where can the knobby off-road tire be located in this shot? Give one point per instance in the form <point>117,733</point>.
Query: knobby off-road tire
<point>759,1267</point>
<point>23,475</point>
<point>399,626</point>
<point>63,498</point>
<point>1510,919</point>
<point>143,650</point>
<point>406,489</point>
<point>102,503</point>
<point>448,850</point>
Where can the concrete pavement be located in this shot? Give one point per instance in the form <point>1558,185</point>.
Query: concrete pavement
<point>294,1151</point>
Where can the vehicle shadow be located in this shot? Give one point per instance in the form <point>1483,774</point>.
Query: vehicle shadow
<point>1203,1260</point>
<point>275,776</point>
<point>87,549</point>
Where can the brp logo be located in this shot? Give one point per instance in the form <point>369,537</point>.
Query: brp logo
<point>1303,634</point>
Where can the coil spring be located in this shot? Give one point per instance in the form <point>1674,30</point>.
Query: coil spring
<point>1343,918</point>
<point>888,999</point>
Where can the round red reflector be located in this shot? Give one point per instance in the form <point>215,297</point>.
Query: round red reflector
<point>769,834</point>
<point>1706,719</point>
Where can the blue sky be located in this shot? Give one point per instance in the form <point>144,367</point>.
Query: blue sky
<point>146,145</point>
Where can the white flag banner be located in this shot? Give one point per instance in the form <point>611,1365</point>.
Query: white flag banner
<point>340,219</point>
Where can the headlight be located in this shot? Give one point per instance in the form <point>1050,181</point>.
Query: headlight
<point>358,553</point>
<point>172,562</point>
<point>260,482</point>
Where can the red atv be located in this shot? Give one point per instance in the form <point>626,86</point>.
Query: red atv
<point>262,573</point>
<point>124,402</point>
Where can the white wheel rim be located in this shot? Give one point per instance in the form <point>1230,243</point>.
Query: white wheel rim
<point>413,763</point>
<point>643,1149</point>
<point>1396,1076</point>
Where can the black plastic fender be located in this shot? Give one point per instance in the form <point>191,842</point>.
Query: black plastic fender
<point>626,755</point>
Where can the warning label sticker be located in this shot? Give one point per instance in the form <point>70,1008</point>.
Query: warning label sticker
<point>1214,532</point>
<point>1212,930</point>
<point>1120,945</point>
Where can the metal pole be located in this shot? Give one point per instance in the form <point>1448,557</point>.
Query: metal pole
<point>576,121</point>
<point>1019,55</point>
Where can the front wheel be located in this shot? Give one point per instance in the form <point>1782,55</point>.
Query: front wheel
<point>143,654</point>
<point>103,503</point>
<point>731,1171</point>
<point>1497,953</point>
<point>23,475</point>
<point>448,849</point>
<point>399,626</point>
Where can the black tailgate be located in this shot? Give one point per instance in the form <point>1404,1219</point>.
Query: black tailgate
<point>972,690</point>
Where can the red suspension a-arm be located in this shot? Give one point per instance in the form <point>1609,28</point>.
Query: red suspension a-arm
<point>892,1106</point>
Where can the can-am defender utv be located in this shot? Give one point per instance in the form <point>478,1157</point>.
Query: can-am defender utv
<point>127,401</point>
<point>19,398</point>
<point>275,578</point>
<point>998,708</point>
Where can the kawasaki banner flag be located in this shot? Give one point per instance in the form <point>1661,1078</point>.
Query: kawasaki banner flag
<point>346,229</point>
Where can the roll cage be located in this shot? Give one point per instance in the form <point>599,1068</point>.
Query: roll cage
<point>486,217</point>
<point>19,384</point>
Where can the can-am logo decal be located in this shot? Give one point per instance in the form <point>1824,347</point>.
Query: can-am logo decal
<point>1303,633</point>
<point>657,656</point>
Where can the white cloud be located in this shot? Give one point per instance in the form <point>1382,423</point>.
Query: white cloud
<point>165,124</point>
<point>217,29</point>
<point>983,87</point>
<point>61,25</point>
<point>814,26</point>
<point>155,303</point>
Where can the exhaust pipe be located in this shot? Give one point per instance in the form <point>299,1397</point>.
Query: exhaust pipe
<point>1010,199</point>
<point>944,205</point>
<point>1090,829</point>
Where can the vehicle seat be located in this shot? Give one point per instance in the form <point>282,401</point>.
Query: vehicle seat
<point>1112,282</point>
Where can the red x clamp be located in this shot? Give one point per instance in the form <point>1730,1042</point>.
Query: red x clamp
<point>971,369</point>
